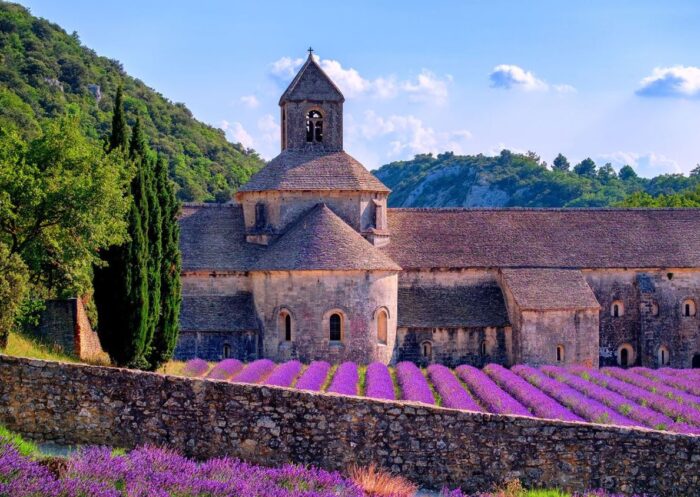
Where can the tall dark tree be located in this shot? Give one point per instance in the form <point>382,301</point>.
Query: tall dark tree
<point>150,210</point>
<point>627,173</point>
<point>119,138</point>
<point>166,331</point>
<point>560,163</point>
<point>586,168</point>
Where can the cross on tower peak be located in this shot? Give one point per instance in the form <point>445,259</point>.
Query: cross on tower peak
<point>311,51</point>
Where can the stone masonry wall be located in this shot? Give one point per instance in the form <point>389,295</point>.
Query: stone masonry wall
<point>78,404</point>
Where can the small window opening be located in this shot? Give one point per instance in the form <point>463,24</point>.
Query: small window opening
<point>482,348</point>
<point>288,328</point>
<point>664,356</point>
<point>260,215</point>
<point>654,309</point>
<point>335,328</point>
<point>382,327</point>
<point>560,353</point>
<point>625,355</point>
<point>617,309</point>
<point>688,308</point>
<point>227,351</point>
<point>427,350</point>
<point>624,358</point>
<point>314,127</point>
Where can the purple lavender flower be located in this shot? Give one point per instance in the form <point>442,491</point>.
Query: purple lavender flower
<point>656,396</point>
<point>195,367</point>
<point>676,381</point>
<point>489,393</point>
<point>589,409</point>
<point>254,372</point>
<point>345,379</point>
<point>284,374</point>
<point>379,384</point>
<point>539,403</point>
<point>225,369</point>
<point>450,389</point>
<point>626,407</point>
<point>314,376</point>
<point>413,384</point>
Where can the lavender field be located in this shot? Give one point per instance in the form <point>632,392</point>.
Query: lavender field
<point>663,399</point>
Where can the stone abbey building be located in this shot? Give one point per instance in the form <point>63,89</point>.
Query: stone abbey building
<point>309,263</point>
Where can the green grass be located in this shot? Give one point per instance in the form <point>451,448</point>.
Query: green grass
<point>25,447</point>
<point>22,346</point>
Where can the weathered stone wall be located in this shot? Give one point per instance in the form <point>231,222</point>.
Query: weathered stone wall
<point>212,283</point>
<point>211,345</point>
<point>455,346</point>
<point>435,447</point>
<point>652,314</point>
<point>64,323</point>
<point>310,297</point>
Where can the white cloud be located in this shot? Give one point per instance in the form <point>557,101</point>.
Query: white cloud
<point>508,77</point>
<point>675,81</point>
<point>427,87</point>
<point>645,164</point>
<point>286,67</point>
<point>408,135</point>
<point>250,101</point>
<point>238,134</point>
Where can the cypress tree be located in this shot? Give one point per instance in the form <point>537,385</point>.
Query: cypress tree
<point>167,330</point>
<point>119,136</point>
<point>150,209</point>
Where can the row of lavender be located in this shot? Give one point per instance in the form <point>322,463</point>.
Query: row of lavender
<point>662,399</point>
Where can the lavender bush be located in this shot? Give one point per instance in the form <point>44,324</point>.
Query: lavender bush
<point>254,372</point>
<point>643,415</point>
<point>653,386</point>
<point>314,377</point>
<point>692,386</point>
<point>195,367</point>
<point>679,412</point>
<point>284,374</point>
<point>413,384</point>
<point>451,391</point>
<point>225,369</point>
<point>379,384</point>
<point>345,380</point>
<point>489,393</point>
<point>540,404</point>
<point>583,406</point>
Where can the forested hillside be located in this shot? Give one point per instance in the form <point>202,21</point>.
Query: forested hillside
<point>44,72</point>
<point>516,180</point>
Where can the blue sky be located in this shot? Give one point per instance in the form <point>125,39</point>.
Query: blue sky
<point>617,81</point>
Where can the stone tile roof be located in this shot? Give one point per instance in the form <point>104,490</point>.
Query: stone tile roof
<point>549,289</point>
<point>565,238</point>
<point>321,240</point>
<point>218,313</point>
<point>313,170</point>
<point>212,238</point>
<point>451,307</point>
<point>311,83</point>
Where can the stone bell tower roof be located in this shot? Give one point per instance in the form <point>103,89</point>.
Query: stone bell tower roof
<point>311,83</point>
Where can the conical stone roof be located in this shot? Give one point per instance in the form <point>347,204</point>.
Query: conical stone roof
<point>311,83</point>
<point>321,240</point>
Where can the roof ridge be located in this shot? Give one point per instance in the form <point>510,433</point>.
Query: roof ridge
<point>542,209</point>
<point>297,78</point>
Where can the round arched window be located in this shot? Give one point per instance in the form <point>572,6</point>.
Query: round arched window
<point>335,323</point>
<point>688,308</point>
<point>426,350</point>
<point>314,127</point>
<point>382,325</point>
<point>663,356</point>
<point>560,353</point>
<point>625,355</point>
<point>617,309</point>
<point>284,326</point>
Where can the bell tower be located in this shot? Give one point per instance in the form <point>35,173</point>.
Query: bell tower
<point>312,111</point>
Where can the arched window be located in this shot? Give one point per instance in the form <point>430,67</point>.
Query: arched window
<point>382,326</point>
<point>260,215</point>
<point>560,353</point>
<point>227,351</point>
<point>426,349</point>
<point>663,356</point>
<point>336,328</point>
<point>482,348</point>
<point>617,309</point>
<point>688,308</point>
<point>625,355</point>
<point>314,127</point>
<point>284,325</point>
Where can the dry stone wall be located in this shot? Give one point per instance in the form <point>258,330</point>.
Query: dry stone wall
<point>79,404</point>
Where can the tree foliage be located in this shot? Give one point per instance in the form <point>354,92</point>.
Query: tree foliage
<point>44,71</point>
<point>13,289</point>
<point>517,180</point>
